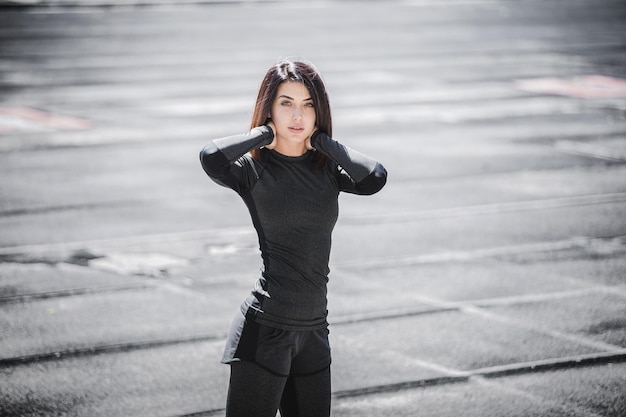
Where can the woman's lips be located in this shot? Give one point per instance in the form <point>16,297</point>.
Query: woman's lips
<point>296,129</point>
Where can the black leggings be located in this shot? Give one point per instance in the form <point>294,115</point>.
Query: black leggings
<point>256,392</point>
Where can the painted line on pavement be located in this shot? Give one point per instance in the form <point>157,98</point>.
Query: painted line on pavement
<point>439,306</point>
<point>480,308</point>
<point>567,362</point>
<point>107,349</point>
<point>549,296</point>
<point>66,207</point>
<point>481,311</point>
<point>22,298</point>
<point>472,255</point>
<point>533,327</point>
<point>485,209</point>
<point>115,243</point>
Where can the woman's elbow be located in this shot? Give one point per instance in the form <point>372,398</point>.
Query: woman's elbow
<point>375,181</point>
<point>213,160</point>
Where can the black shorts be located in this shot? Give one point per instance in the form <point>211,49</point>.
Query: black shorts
<point>282,352</point>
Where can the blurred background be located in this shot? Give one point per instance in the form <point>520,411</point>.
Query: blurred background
<point>488,278</point>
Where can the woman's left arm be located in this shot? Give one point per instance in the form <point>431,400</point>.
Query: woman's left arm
<point>365,175</point>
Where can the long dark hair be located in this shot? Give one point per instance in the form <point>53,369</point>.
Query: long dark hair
<point>293,71</point>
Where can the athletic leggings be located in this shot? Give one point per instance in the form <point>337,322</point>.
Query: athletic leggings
<point>256,392</point>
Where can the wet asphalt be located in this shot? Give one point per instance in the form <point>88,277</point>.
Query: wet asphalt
<point>488,278</point>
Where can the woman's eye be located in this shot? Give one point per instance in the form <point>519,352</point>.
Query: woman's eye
<point>285,103</point>
<point>310,105</point>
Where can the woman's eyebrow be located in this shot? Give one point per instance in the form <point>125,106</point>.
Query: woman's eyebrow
<point>293,99</point>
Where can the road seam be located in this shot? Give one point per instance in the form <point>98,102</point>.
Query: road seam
<point>23,298</point>
<point>471,255</point>
<point>106,349</point>
<point>436,307</point>
<point>487,209</point>
<point>492,372</point>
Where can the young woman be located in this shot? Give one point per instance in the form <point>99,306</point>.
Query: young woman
<point>289,173</point>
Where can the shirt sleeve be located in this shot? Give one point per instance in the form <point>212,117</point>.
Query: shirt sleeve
<point>225,162</point>
<point>356,173</point>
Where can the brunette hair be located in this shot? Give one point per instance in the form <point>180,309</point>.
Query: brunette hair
<point>312,80</point>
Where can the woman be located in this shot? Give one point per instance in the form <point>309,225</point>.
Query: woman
<point>289,173</point>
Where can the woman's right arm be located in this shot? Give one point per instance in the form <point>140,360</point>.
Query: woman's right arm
<point>220,159</point>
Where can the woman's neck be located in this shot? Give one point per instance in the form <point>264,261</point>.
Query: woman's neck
<point>290,148</point>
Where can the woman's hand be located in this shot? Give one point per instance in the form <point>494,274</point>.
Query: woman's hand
<point>272,126</point>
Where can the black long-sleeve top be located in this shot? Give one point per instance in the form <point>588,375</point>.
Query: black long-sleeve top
<point>294,207</point>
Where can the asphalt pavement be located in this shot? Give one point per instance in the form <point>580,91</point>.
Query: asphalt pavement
<point>488,278</point>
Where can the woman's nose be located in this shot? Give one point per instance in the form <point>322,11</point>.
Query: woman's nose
<point>297,114</point>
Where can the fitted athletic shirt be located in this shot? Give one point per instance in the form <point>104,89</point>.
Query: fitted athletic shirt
<point>293,202</point>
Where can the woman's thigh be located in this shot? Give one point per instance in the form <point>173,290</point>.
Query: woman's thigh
<point>253,391</point>
<point>307,395</point>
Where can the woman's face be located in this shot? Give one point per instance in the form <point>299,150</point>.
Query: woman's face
<point>293,113</point>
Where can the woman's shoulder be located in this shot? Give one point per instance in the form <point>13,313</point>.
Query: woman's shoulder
<point>253,167</point>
